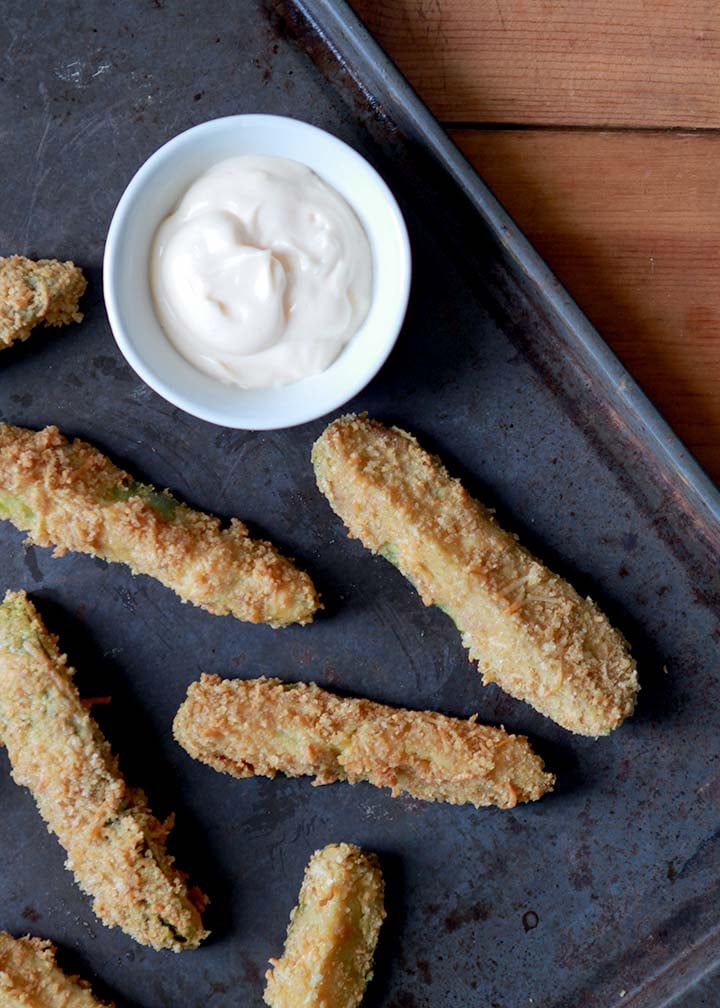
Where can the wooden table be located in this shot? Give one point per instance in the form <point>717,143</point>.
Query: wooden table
<point>597,125</point>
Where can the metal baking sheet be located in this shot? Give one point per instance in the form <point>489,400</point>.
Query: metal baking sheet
<point>603,894</point>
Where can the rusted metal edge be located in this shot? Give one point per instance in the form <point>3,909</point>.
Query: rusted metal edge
<point>678,975</point>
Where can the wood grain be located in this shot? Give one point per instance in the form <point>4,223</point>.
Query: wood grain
<point>630,223</point>
<point>648,63</point>
<point>628,218</point>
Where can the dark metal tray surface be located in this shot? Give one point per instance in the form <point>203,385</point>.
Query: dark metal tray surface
<point>603,894</point>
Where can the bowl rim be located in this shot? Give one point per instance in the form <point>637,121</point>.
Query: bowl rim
<point>243,419</point>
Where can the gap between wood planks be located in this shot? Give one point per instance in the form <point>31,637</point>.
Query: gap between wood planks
<point>450,124</point>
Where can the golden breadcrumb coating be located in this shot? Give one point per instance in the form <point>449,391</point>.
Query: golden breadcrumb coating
<point>67,494</point>
<point>327,961</point>
<point>264,726</point>
<point>529,630</point>
<point>31,292</point>
<point>115,846</point>
<point>30,977</point>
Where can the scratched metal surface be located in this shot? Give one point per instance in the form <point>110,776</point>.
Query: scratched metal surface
<point>602,894</point>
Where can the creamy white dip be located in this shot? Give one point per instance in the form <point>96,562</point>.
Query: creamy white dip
<point>262,273</point>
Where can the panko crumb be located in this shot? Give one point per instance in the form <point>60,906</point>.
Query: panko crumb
<point>68,495</point>
<point>46,291</point>
<point>264,726</point>
<point>528,629</point>
<point>31,978</point>
<point>115,846</point>
<point>328,956</point>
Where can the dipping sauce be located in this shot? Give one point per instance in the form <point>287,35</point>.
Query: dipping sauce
<point>262,273</point>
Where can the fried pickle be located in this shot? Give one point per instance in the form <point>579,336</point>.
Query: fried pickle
<point>30,977</point>
<point>115,846</point>
<point>32,292</point>
<point>528,629</point>
<point>67,494</point>
<point>263,726</point>
<point>327,961</point>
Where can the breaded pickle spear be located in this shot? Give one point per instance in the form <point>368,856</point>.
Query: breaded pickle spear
<point>529,630</point>
<point>32,292</point>
<point>67,494</point>
<point>327,961</point>
<point>115,846</point>
<point>30,977</point>
<point>264,726</point>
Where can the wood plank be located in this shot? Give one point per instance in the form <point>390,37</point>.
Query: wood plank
<point>615,63</point>
<point>630,223</point>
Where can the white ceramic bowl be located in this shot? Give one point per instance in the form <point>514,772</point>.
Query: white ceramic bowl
<point>151,196</point>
